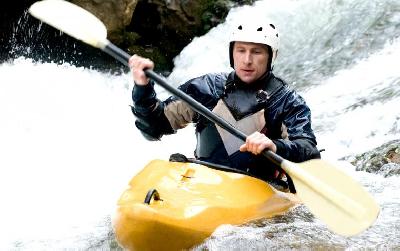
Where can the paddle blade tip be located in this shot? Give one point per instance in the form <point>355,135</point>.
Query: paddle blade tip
<point>333,196</point>
<point>72,20</point>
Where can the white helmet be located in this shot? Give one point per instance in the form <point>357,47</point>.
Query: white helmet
<point>256,33</point>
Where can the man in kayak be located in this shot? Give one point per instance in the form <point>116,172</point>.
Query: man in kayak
<point>251,98</point>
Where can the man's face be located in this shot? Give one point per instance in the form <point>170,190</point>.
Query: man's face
<point>250,60</point>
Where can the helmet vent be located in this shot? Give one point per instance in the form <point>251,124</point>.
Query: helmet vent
<point>240,27</point>
<point>273,26</point>
<point>259,29</point>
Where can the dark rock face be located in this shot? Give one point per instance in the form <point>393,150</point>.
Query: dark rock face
<point>156,29</point>
<point>163,28</point>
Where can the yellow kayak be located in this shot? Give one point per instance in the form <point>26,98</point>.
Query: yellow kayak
<point>175,206</point>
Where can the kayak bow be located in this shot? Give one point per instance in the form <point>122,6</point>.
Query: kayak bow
<point>175,206</point>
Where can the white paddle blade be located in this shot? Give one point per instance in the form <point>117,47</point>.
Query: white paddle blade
<point>72,20</point>
<point>332,196</point>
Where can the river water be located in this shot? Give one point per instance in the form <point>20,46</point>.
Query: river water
<point>68,144</point>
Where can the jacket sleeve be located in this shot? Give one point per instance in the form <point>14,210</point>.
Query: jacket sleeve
<point>301,143</point>
<point>156,118</point>
<point>149,112</point>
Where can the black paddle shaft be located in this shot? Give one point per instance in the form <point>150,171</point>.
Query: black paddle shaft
<point>123,57</point>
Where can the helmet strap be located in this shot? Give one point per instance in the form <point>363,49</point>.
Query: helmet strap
<point>231,44</point>
<point>270,55</point>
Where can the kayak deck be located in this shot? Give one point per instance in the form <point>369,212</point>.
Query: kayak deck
<point>193,201</point>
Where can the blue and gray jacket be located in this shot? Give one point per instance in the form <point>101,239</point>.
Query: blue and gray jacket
<point>268,106</point>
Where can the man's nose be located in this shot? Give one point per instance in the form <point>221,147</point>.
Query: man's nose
<point>248,59</point>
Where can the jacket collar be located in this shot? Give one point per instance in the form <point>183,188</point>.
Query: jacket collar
<point>234,82</point>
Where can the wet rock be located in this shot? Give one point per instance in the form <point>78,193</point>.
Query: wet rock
<point>115,15</point>
<point>390,169</point>
<point>393,155</point>
<point>384,159</point>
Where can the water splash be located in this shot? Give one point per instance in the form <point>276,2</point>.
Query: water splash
<point>66,152</point>
<point>355,110</point>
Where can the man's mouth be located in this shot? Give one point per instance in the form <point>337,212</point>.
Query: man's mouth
<point>247,71</point>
